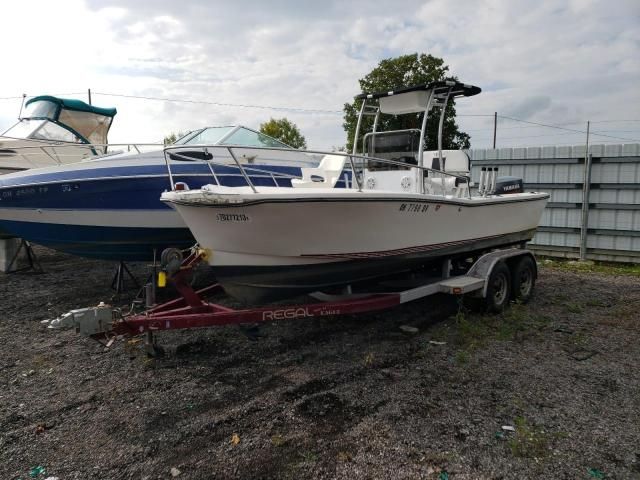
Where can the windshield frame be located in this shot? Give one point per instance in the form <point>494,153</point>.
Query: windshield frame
<point>232,130</point>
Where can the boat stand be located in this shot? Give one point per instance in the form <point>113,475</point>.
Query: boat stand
<point>121,272</point>
<point>32,259</point>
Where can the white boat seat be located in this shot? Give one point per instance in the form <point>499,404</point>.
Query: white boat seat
<point>325,175</point>
<point>453,161</point>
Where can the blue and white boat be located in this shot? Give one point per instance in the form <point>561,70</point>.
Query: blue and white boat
<point>109,207</point>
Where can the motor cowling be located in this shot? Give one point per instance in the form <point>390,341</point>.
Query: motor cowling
<point>507,185</point>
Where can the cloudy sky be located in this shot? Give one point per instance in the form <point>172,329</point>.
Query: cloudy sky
<point>551,62</point>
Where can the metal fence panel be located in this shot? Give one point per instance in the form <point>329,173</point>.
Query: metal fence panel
<point>613,196</point>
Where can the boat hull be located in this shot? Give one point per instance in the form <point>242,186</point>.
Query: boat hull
<point>110,208</point>
<point>260,284</point>
<point>268,247</point>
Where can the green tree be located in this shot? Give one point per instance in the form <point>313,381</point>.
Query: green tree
<point>172,137</point>
<point>285,131</point>
<point>405,71</point>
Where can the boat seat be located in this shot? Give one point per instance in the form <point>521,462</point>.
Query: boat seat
<point>326,174</point>
<point>453,161</point>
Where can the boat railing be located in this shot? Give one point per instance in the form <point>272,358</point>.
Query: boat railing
<point>357,163</point>
<point>97,149</point>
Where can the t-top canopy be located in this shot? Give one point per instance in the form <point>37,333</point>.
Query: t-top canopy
<point>73,104</point>
<point>440,88</point>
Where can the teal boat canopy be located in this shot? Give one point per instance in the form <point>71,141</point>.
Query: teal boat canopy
<point>73,104</point>
<point>68,120</point>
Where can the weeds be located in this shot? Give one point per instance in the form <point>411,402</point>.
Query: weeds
<point>529,441</point>
<point>343,456</point>
<point>605,268</point>
<point>368,359</point>
<point>474,331</point>
<point>514,321</point>
<point>596,303</point>
<point>573,307</point>
<point>462,357</point>
<point>559,298</point>
<point>307,456</point>
<point>471,333</point>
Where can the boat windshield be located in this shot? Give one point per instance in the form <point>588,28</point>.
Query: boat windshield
<point>244,136</point>
<point>41,130</point>
<point>206,136</point>
<point>230,136</point>
<point>41,109</point>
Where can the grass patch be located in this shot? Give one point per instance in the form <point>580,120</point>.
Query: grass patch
<point>513,321</point>
<point>368,359</point>
<point>278,440</point>
<point>606,268</point>
<point>472,331</point>
<point>344,456</point>
<point>309,457</point>
<point>529,441</point>
<point>573,307</point>
<point>462,357</point>
<point>596,303</point>
<point>559,299</point>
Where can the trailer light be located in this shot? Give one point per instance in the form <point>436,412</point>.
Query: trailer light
<point>162,279</point>
<point>457,290</point>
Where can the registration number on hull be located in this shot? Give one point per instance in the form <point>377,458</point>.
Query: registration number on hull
<point>417,207</point>
<point>233,217</point>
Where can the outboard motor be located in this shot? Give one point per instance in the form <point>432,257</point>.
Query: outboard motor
<point>506,185</point>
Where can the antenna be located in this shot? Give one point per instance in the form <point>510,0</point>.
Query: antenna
<point>24,95</point>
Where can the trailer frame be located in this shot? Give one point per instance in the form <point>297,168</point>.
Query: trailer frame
<point>190,310</point>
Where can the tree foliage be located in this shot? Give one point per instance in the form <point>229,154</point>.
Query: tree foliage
<point>172,137</point>
<point>285,131</point>
<point>405,71</point>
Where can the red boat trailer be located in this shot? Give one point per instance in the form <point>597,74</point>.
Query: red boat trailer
<point>191,311</point>
<point>489,277</point>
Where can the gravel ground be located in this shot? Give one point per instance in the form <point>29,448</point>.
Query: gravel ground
<point>344,397</point>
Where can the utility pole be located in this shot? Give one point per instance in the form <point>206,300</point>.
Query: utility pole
<point>495,128</point>
<point>586,189</point>
<point>89,95</point>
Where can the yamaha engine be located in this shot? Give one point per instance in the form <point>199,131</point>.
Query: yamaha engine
<point>506,185</point>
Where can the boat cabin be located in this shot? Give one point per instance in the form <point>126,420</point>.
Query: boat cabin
<point>63,120</point>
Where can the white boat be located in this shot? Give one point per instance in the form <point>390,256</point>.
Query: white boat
<point>54,131</point>
<point>108,207</point>
<point>398,214</point>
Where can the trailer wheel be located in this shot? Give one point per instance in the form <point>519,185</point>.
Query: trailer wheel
<point>523,279</point>
<point>498,288</point>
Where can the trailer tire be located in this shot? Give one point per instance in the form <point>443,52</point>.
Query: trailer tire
<point>523,279</point>
<point>498,288</point>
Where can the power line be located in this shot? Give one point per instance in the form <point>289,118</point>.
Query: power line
<point>615,121</point>
<point>221,104</point>
<point>528,136</point>
<point>619,131</point>
<point>32,96</point>
<point>569,129</point>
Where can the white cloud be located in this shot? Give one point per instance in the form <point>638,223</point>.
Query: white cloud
<point>552,62</point>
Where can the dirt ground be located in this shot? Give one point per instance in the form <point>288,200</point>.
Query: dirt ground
<point>342,397</point>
